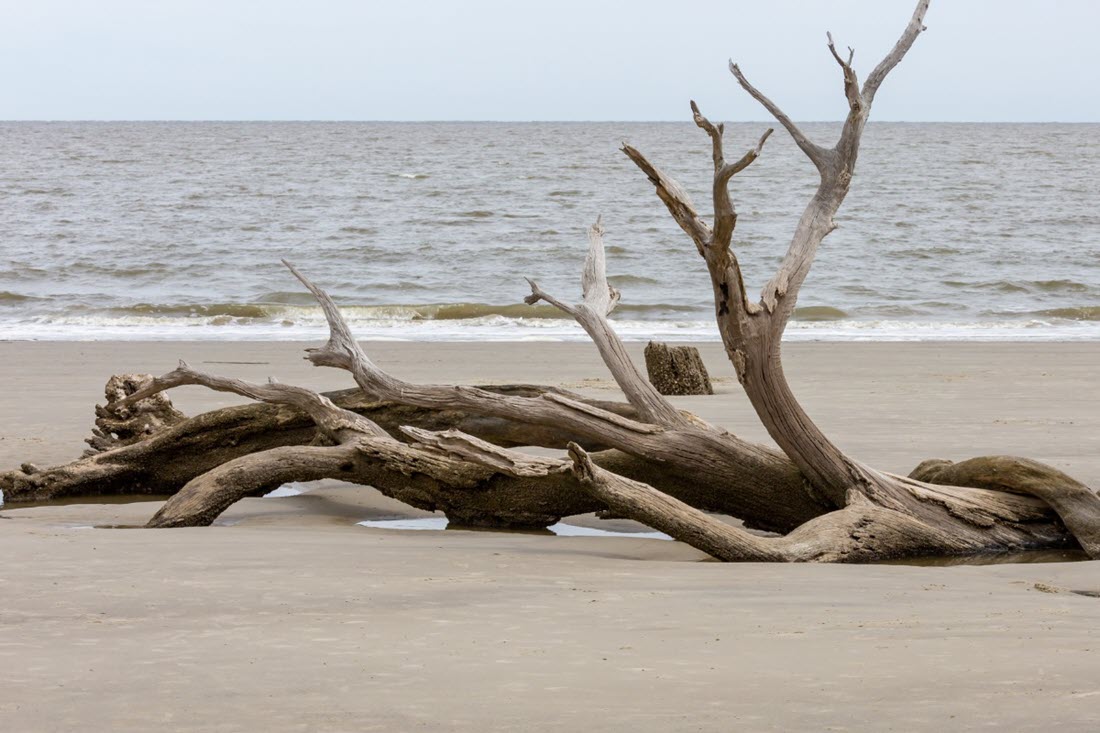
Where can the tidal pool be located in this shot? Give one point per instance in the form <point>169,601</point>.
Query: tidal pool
<point>561,529</point>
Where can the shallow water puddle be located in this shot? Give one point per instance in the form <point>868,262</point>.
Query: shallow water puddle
<point>560,529</point>
<point>293,489</point>
<point>102,499</point>
<point>1003,558</point>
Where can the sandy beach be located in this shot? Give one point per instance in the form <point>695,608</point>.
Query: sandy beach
<point>287,616</point>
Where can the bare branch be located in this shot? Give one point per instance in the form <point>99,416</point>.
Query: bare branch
<point>897,53</point>
<point>715,132</point>
<point>731,299</point>
<point>851,83</point>
<point>585,419</point>
<point>683,522</point>
<point>202,499</point>
<point>538,294</point>
<point>342,350</point>
<point>819,155</point>
<point>599,300</point>
<point>725,217</point>
<point>336,422</point>
<point>729,171</point>
<point>712,245</point>
<point>341,339</point>
<point>781,292</point>
<point>598,294</point>
<point>675,198</point>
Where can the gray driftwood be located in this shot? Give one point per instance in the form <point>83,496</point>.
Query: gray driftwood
<point>454,448</point>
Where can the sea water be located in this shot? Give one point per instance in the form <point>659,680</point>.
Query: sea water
<point>175,230</point>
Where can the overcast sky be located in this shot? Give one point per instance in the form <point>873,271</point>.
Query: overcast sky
<point>1026,60</point>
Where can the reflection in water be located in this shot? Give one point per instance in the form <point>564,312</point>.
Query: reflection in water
<point>103,499</point>
<point>560,529</point>
<point>1001,558</point>
<point>291,489</point>
<point>568,530</point>
<point>571,530</point>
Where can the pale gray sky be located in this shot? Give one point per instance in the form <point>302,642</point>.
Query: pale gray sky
<point>1025,60</point>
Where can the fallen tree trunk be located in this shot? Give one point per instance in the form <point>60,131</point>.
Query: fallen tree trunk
<point>164,461</point>
<point>666,468</point>
<point>161,461</point>
<point>977,520</point>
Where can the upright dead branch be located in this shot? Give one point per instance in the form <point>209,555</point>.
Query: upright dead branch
<point>599,299</point>
<point>752,332</point>
<point>718,460</point>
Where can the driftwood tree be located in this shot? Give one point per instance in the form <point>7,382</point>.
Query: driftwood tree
<point>453,448</point>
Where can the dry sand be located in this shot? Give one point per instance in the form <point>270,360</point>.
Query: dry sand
<point>289,617</point>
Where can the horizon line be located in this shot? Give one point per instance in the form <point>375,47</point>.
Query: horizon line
<point>517,122</point>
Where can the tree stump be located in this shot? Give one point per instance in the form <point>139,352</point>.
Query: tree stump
<point>676,370</point>
<point>116,428</point>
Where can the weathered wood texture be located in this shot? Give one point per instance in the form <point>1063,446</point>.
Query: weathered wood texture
<point>677,370</point>
<point>752,331</point>
<point>452,448</point>
<point>159,458</point>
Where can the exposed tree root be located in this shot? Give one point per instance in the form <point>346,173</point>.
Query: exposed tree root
<point>1076,504</point>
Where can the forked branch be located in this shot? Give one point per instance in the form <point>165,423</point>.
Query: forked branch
<point>897,53</point>
<point>599,299</point>
<point>675,198</point>
<point>714,245</point>
<point>821,157</point>
<point>836,166</point>
<point>725,215</point>
<point>851,83</point>
<point>583,418</point>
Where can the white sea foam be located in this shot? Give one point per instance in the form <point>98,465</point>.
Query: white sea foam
<point>502,328</point>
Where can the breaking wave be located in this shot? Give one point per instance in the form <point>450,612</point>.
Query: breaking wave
<point>287,306</point>
<point>1084,313</point>
<point>7,297</point>
<point>517,322</point>
<point>819,313</point>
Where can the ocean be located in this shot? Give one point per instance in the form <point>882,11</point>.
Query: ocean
<point>175,230</point>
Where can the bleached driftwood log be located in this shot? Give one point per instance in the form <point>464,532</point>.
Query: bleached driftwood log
<point>453,447</point>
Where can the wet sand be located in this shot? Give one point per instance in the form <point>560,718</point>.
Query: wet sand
<point>287,616</point>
